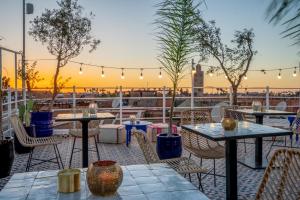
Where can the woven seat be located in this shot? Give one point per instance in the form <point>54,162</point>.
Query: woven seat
<point>197,145</point>
<point>281,179</point>
<point>78,132</point>
<point>182,165</point>
<point>28,141</point>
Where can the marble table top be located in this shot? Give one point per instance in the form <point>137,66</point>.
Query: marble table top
<point>244,129</point>
<point>141,182</point>
<point>79,117</point>
<point>261,113</point>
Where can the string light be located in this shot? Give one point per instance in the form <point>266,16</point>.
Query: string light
<point>102,72</point>
<point>193,67</point>
<point>226,77</point>
<point>295,73</point>
<point>80,69</point>
<point>160,75</point>
<point>122,74</point>
<point>210,74</point>
<point>141,75</point>
<point>245,77</point>
<point>279,74</point>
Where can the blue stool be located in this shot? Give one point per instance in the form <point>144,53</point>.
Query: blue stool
<point>140,125</point>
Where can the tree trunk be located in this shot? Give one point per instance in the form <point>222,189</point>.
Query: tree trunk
<point>234,95</point>
<point>172,110</point>
<point>28,87</point>
<point>55,84</point>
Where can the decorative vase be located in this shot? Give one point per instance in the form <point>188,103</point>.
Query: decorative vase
<point>168,146</point>
<point>104,177</point>
<point>43,123</point>
<point>68,180</point>
<point>132,119</point>
<point>228,124</point>
<point>256,106</point>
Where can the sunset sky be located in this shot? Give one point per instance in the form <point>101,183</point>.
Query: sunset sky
<point>126,31</point>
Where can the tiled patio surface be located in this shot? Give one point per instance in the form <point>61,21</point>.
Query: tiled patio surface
<point>248,179</point>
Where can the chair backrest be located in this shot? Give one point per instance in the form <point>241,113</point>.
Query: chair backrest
<point>197,116</point>
<point>20,131</point>
<point>282,177</point>
<point>146,146</point>
<point>281,106</point>
<point>235,115</point>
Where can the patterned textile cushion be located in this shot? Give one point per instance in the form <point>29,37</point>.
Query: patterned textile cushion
<point>155,129</point>
<point>112,133</point>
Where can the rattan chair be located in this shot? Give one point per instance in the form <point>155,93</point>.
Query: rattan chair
<point>77,134</point>
<point>182,165</point>
<point>197,145</point>
<point>281,179</point>
<point>28,141</point>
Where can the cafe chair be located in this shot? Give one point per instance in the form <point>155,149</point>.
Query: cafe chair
<point>77,134</point>
<point>28,141</point>
<point>197,145</point>
<point>182,165</point>
<point>281,179</point>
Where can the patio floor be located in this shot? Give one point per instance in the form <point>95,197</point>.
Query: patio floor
<point>248,179</point>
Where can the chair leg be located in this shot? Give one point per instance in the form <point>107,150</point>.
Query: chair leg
<point>200,182</point>
<point>73,146</point>
<point>29,160</point>
<point>97,148</point>
<point>190,178</point>
<point>200,162</point>
<point>215,183</point>
<point>274,140</point>
<point>245,147</point>
<point>56,156</point>
<point>59,156</point>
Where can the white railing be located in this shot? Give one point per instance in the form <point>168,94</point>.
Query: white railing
<point>11,101</point>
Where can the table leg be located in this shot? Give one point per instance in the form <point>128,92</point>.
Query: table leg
<point>127,136</point>
<point>85,143</point>
<point>259,119</point>
<point>231,170</point>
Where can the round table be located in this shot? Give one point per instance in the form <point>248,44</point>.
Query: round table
<point>140,125</point>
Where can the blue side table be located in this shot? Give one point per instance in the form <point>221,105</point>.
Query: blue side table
<point>140,125</point>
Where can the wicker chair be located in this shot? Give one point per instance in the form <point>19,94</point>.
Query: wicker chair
<point>182,165</point>
<point>281,179</point>
<point>76,134</point>
<point>197,145</point>
<point>28,141</point>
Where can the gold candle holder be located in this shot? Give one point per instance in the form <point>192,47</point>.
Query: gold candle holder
<point>68,180</point>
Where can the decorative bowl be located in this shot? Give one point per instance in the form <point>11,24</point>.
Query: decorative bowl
<point>228,124</point>
<point>104,177</point>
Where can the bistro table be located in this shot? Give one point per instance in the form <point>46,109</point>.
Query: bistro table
<point>85,129</point>
<point>140,182</point>
<point>140,125</point>
<point>215,132</point>
<point>260,162</point>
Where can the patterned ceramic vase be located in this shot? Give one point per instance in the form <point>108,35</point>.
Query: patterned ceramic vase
<point>104,177</point>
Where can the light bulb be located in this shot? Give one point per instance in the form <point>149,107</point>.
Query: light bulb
<point>210,74</point>
<point>141,76</point>
<point>226,77</point>
<point>102,73</point>
<point>295,73</point>
<point>80,71</point>
<point>122,74</point>
<point>245,77</point>
<point>159,75</point>
<point>279,75</point>
<point>193,70</point>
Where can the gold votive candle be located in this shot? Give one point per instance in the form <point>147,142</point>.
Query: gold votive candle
<point>68,180</point>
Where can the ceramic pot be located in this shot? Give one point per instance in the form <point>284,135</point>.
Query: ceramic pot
<point>228,124</point>
<point>104,177</point>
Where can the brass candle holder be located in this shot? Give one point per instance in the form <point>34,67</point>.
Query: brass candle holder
<point>68,180</point>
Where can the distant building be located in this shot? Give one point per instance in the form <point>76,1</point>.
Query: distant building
<point>198,81</point>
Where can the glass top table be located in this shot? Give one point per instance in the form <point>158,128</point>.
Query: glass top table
<point>215,132</point>
<point>85,128</point>
<point>140,182</point>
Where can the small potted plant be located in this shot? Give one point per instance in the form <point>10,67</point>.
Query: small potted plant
<point>24,115</point>
<point>176,23</point>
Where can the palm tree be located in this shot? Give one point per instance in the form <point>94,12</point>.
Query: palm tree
<point>287,13</point>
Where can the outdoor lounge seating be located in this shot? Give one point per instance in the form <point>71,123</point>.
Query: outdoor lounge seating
<point>28,141</point>
<point>197,145</point>
<point>112,133</point>
<point>281,179</point>
<point>182,165</point>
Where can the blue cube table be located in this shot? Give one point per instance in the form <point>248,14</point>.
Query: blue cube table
<point>140,182</point>
<point>140,125</point>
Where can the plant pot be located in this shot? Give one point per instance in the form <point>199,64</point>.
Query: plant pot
<point>43,123</point>
<point>6,156</point>
<point>104,177</point>
<point>169,146</point>
<point>19,148</point>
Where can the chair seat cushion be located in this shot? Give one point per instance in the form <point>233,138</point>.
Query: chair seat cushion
<point>112,133</point>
